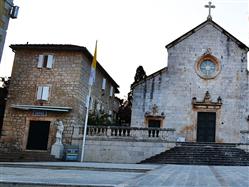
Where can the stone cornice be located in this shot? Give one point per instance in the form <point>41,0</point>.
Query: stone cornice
<point>45,108</point>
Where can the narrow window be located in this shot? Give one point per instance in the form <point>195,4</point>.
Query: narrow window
<point>45,61</point>
<point>40,61</point>
<point>43,93</point>
<point>111,91</point>
<point>49,61</point>
<point>154,123</point>
<point>103,84</point>
<point>39,93</point>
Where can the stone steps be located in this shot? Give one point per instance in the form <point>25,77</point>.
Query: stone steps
<point>26,156</point>
<point>202,154</point>
<point>197,144</point>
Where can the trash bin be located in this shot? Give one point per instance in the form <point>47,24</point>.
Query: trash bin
<point>72,154</point>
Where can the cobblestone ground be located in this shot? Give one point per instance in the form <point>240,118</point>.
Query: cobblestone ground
<point>194,176</point>
<point>122,175</point>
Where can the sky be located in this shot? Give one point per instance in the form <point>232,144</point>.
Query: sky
<point>129,32</point>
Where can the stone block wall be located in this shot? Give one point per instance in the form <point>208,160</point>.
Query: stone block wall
<point>118,151</point>
<point>68,87</point>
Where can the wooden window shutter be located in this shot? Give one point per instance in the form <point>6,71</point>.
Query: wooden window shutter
<point>45,93</point>
<point>50,61</point>
<point>39,93</point>
<point>40,61</point>
<point>103,84</point>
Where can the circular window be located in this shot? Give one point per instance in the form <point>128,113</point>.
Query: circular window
<point>207,67</point>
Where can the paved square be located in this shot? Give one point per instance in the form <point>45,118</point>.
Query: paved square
<point>122,175</point>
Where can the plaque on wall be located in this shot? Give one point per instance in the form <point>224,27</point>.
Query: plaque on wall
<point>39,113</point>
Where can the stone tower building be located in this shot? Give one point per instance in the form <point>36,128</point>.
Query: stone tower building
<point>204,91</point>
<point>50,83</point>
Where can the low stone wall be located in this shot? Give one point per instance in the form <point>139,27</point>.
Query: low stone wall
<point>126,132</point>
<point>122,151</point>
<point>124,144</point>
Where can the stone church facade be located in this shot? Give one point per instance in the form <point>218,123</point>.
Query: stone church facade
<point>50,83</point>
<point>203,93</point>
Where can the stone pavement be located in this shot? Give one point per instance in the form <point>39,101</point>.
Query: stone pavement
<point>121,175</point>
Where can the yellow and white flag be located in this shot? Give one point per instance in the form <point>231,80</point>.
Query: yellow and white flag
<point>93,67</point>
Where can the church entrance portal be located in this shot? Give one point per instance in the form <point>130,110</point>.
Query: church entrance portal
<point>38,135</point>
<point>206,126</point>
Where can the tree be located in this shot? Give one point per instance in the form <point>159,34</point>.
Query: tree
<point>124,112</point>
<point>140,74</point>
<point>3,98</point>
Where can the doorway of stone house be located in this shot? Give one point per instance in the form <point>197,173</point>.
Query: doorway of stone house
<point>38,135</point>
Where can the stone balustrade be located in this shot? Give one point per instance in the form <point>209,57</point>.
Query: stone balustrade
<point>244,138</point>
<point>128,132</point>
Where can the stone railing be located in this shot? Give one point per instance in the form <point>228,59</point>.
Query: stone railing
<point>129,132</point>
<point>244,137</point>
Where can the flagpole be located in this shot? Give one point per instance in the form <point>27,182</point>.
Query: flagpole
<point>85,127</point>
<point>91,81</point>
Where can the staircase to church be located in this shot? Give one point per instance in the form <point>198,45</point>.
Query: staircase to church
<point>26,156</point>
<point>202,154</point>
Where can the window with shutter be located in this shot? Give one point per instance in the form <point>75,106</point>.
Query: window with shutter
<point>42,93</point>
<point>39,93</point>
<point>40,61</point>
<point>103,84</point>
<point>45,92</point>
<point>50,61</point>
<point>45,61</point>
<point>111,91</point>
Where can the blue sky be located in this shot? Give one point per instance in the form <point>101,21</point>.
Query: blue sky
<point>129,32</point>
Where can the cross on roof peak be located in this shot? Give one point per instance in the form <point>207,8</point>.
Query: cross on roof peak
<point>209,6</point>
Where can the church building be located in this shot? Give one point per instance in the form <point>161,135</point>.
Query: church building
<point>201,96</point>
<point>203,93</point>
